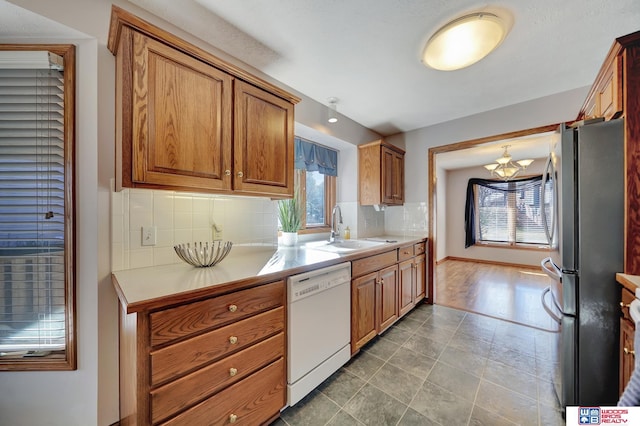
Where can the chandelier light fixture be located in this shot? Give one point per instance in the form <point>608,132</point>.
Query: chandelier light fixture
<point>464,41</point>
<point>333,110</point>
<point>504,168</point>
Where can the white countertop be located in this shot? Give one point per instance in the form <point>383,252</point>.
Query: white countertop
<point>139,287</point>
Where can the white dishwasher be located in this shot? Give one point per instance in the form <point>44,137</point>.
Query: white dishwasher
<point>319,327</point>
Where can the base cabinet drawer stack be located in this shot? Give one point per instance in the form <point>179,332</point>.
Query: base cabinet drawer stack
<point>412,274</point>
<point>627,334</point>
<point>214,361</point>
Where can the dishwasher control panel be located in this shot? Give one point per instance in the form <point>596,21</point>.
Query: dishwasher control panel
<point>309,283</point>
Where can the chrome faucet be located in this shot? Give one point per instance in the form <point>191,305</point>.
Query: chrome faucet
<point>335,231</point>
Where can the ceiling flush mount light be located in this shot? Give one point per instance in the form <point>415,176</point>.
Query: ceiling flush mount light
<point>464,41</point>
<point>333,111</point>
<point>504,168</point>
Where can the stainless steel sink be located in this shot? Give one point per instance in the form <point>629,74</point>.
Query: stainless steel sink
<point>344,246</point>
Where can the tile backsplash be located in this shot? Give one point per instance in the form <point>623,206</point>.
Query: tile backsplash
<point>182,217</point>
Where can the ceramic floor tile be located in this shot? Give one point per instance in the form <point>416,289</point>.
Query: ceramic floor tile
<point>396,382</point>
<point>342,418</point>
<point>470,362</point>
<point>412,362</point>
<point>425,346</point>
<point>511,378</point>
<point>442,406</point>
<point>550,416</point>
<point>412,418</point>
<point>397,335</point>
<point>364,365</point>
<point>372,406</point>
<point>341,386</point>
<point>314,410</point>
<point>382,348</point>
<point>513,358</point>
<point>511,405</point>
<point>455,380</point>
<point>443,335</point>
<point>482,417</point>
<point>408,324</point>
<point>470,344</point>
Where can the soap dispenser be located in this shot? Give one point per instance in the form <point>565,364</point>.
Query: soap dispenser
<point>347,233</point>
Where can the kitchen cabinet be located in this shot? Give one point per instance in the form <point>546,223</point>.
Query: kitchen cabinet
<point>627,334</point>
<point>616,93</point>
<point>380,174</point>
<point>214,360</point>
<point>188,121</point>
<point>412,274</point>
<point>374,303</point>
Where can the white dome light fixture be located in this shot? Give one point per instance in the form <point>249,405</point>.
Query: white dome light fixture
<point>333,110</point>
<point>464,41</point>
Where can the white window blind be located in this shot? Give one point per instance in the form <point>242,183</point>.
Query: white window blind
<point>32,210</point>
<point>510,216</point>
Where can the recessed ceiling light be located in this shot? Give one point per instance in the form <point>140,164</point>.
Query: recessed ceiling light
<point>464,41</point>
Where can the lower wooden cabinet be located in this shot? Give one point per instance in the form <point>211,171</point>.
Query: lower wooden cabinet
<point>413,275</point>
<point>217,360</point>
<point>627,338</point>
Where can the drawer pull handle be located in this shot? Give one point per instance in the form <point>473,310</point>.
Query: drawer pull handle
<point>624,305</point>
<point>233,371</point>
<point>628,352</point>
<point>233,308</point>
<point>233,340</point>
<point>233,418</point>
<point>405,252</point>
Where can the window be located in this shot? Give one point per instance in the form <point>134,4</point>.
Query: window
<point>316,172</point>
<point>37,330</point>
<point>505,212</point>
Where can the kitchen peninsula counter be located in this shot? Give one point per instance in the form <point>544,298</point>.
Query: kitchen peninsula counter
<point>246,266</point>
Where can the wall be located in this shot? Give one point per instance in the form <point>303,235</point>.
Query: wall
<point>456,189</point>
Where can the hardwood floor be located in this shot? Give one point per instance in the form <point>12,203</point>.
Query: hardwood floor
<point>506,292</point>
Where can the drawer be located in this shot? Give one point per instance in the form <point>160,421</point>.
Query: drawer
<point>184,356</point>
<point>193,388</point>
<point>373,263</point>
<point>258,397</point>
<point>182,321</point>
<point>405,253</point>
<point>419,248</point>
<point>627,298</point>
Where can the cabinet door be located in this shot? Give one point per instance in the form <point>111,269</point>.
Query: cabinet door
<point>263,145</point>
<point>420,278</point>
<point>387,297</point>
<point>181,111</point>
<point>363,318</point>
<point>392,177</point>
<point>627,355</point>
<point>406,273</point>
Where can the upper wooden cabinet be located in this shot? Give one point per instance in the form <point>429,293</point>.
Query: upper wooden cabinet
<point>616,93</point>
<point>186,120</point>
<point>380,174</point>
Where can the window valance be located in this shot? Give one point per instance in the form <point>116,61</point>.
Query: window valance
<point>312,157</point>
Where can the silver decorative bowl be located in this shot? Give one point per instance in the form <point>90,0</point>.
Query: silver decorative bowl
<point>204,254</point>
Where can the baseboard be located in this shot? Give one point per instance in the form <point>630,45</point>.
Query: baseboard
<point>488,262</point>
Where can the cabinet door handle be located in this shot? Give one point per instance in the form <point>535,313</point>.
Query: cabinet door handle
<point>628,352</point>
<point>624,305</point>
<point>405,252</point>
<point>240,174</point>
<point>381,280</point>
<point>233,308</point>
<point>233,418</point>
<point>227,172</point>
<point>233,340</point>
<point>233,371</point>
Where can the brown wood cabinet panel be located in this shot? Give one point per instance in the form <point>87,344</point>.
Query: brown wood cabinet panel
<point>263,142</point>
<point>627,353</point>
<point>363,310</point>
<point>373,263</point>
<point>405,253</point>
<point>193,388</point>
<point>380,174</point>
<point>420,280</point>
<point>184,356</point>
<point>248,402</point>
<point>170,324</point>
<point>181,118</point>
<point>406,273</point>
<point>387,297</point>
<point>419,248</point>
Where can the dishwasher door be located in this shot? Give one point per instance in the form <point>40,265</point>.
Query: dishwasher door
<point>319,328</point>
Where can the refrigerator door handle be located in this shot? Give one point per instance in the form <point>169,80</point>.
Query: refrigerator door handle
<point>548,168</point>
<point>552,272</point>
<point>552,314</point>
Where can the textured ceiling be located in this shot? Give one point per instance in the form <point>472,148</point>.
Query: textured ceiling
<point>367,53</point>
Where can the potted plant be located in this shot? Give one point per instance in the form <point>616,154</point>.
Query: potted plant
<point>290,215</point>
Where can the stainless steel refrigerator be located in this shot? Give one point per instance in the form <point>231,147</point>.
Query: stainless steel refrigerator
<point>584,196</point>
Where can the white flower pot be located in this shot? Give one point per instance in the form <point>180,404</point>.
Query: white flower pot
<point>289,238</point>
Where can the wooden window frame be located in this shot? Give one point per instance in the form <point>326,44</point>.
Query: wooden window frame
<point>330,185</point>
<point>58,361</point>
